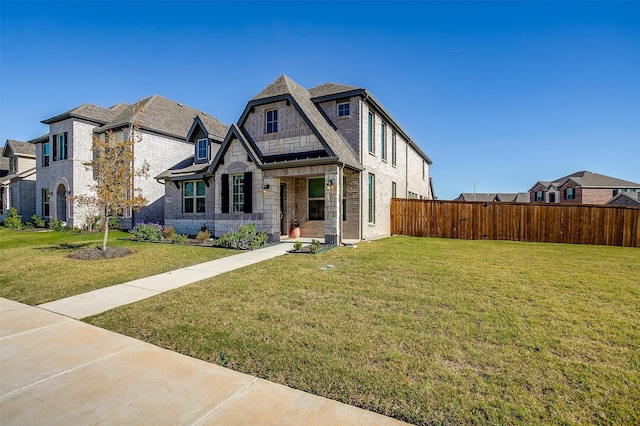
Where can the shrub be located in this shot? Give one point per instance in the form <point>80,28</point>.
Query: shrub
<point>114,223</point>
<point>180,239</point>
<point>57,225</point>
<point>38,222</point>
<point>169,233</point>
<point>91,222</point>
<point>246,237</point>
<point>147,232</point>
<point>297,246</point>
<point>203,236</point>
<point>313,247</point>
<point>13,220</point>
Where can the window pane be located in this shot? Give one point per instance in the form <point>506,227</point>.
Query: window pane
<point>200,188</point>
<point>316,188</point>
<point>238,193</point>
<point>316,209</point>
<point>188,189</point>
<point>199,205</point>
<point>188,205</point>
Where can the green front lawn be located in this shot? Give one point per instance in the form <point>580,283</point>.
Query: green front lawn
<point>430,331</point>
<point>34,267</point>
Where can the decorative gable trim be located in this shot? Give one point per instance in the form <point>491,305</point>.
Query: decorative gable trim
<point>290,100</point>
<point>234,133</point>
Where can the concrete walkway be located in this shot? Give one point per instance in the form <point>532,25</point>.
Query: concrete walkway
<point>55,370</point>
<point>104,299</point>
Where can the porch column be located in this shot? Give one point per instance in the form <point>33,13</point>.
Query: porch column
<point>333,200</point>
<point>271,208</point>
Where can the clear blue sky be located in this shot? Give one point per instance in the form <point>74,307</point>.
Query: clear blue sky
<point>500,93</point>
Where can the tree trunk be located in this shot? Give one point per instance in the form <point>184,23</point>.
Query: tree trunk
<point>106,235</point>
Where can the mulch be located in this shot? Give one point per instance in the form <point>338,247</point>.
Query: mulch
<point>96,253</point>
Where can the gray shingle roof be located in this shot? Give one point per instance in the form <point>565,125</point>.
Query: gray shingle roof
<point>19,148</point>
<point>183,168</point>
<point>588,179</point>
<point>626,198</point>
<point>216,129</point>
<point>159,115</point>
<point>89,112</point>
<point>4,166</point>
<point>328,89</point>
<point>284,85</point>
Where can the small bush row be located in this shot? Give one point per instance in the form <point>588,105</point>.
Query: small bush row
<point>155,232</point>
<point>244,237</point>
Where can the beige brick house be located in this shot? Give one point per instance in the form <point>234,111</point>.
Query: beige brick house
<point>582,187</point>
<point>60,154</point>
<point>330,159</point>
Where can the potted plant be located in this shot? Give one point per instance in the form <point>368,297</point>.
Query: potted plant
<point>294,232</point>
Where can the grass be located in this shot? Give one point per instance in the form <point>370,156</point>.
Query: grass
<point>34,267</point>
<point>429,331</point>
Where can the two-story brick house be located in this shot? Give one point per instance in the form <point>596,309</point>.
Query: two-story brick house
<point>330,159</point>
<point>18,185</point>
<point>581,187</point>
<point>163,126</point>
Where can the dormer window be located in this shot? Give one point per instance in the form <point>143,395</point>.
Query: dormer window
<point>271,121</point>
<point>343,109</point>
<point>202,149</point>
<point>12,164</point>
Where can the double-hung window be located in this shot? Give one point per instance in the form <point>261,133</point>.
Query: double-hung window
<point>45,202</point>
<point>393,190</point>
<point>202,149</point>
<point>538,196</point>
<point>271,121</point>
<point>60,147</point>
<point>383,141</point>
<point>372,198</point>
<point>46,154</point>
<point>316,198</point>
<point>238,193</point>
<point>343,109</point>
<point>370,141</point>
<point>194,196</point>
<point>394,160</point>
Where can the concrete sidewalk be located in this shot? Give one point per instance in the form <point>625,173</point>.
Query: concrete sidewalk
<point>104,299</point>
<point>55,370</point>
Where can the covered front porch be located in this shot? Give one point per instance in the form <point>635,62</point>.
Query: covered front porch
<point>321,201</point>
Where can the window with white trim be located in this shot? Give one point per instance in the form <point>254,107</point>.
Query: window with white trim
<point>193,196</point>
<point>370,129</point>
<point>372,198</point>
<point>202,149</point>
<point>383,141</point>
<point>271,119</point>
<point>394,160</point>
<point>238,193</point>
<point>343,109</point>
<point>315,193</point>
<point>45,202</point>
<point>46,154</point>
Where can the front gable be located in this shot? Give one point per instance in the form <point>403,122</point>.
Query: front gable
<point>202,144</point>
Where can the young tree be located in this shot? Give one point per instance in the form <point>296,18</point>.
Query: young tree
<point>113,192</point>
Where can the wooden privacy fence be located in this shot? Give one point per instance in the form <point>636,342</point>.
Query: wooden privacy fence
<point>575,224</point>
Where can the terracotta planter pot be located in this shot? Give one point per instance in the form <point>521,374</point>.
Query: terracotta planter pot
<point>294,232</point>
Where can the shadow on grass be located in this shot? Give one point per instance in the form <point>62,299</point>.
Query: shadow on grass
<point>65,246</point>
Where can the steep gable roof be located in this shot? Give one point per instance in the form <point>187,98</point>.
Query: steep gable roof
<point>285,88</point>
<point>4,166</point>
<point>157,114</point>
<point>234,132</point>
<point>210,125</point>
<point>89,112</point>
<point>19,148</point>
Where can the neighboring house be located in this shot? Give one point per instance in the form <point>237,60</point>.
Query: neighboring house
<point>163,126</point>
<point>330,158</point>
<point>582,187</point>
<point>19,184</point>
<point>625,199</point>
<point>520,197</point>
